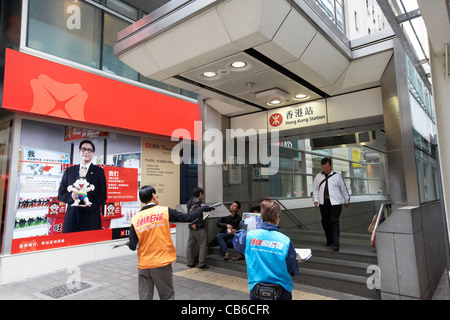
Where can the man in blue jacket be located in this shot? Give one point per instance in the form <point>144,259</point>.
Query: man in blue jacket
<point>270,256</point>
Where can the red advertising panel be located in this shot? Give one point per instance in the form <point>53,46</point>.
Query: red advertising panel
<point>59,240</point>
<point>121,183</point>
<point>73,133</point>
<point>41,87</point>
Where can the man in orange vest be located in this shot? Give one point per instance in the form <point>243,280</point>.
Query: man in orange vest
<point>150,235</point>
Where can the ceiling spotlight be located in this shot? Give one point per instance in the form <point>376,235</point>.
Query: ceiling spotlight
<point>239,64</point>
<point>209,74</point>
<point>300,96</point>
<point>273,96</point>
<point>274,101</point>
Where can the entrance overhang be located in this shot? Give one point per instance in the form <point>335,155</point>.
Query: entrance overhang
<point>285,46</point>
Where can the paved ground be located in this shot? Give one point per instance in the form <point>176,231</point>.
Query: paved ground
<point>116,279</point>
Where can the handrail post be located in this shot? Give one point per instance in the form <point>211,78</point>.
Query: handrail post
<point>290,213</point>
<point>383,207</point>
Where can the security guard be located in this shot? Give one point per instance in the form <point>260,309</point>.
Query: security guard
<point>270,256</point>
<point>150,234</point>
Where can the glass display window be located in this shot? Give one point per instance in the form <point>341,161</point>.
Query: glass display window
<point>48,156</point>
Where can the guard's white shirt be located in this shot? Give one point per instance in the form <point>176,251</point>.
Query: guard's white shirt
<point>336,188</point>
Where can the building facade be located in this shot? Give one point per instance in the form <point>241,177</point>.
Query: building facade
<point>304,79</point>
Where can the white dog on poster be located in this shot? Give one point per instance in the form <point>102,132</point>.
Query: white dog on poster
<point>81,187</point>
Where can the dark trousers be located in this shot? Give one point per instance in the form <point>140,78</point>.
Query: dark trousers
<point>330,223</point>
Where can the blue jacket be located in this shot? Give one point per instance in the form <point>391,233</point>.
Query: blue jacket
<point>269,254</point>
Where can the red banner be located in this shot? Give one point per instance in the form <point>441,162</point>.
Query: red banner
<point>36,86</point>
<point>73,133</point>
<point>58,241</point>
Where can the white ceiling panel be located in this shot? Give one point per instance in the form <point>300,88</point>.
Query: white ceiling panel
<point>281,47</point>
<point>252,22</point>
<point>322,57</point>
<point>290,41</point>
<point>366,70</point>
<point>193,38</point>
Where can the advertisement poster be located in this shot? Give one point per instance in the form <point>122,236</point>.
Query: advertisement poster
<point>159,171</point>
<point>121,183</point>
<point>40,216</point>
<point>252,220</point>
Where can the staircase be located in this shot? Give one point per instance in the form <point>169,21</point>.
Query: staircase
<point>343,271</point>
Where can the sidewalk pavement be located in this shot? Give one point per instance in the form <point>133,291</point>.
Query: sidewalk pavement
<point>116,279</point>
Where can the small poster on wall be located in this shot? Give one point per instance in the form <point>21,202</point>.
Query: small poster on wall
<point>159,171</point>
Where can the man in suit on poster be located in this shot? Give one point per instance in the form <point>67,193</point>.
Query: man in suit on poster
<point>83,217</point>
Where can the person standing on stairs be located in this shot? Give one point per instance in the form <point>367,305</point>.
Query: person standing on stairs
<point>270,255</point>
<point>329,193</point>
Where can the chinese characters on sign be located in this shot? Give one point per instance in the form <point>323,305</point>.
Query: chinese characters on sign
<point>159,171</point>
<point>298,116</point>
<point>121,183</point>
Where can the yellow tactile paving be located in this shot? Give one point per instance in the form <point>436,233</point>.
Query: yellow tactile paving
<point>237,283</point>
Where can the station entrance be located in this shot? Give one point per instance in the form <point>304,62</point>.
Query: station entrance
<point>358,155</point>
<point>358,151</point>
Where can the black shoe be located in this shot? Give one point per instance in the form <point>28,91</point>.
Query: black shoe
<point>241,257</point>
<point>204,267</point>
<point>327,244</point>
<point>191,265</point>
<point>227,256</point>
<point>336,248</point>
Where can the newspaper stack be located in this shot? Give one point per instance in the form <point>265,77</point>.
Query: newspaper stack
<point>303,254</point>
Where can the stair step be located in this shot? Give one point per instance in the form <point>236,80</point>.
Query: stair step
<point>319,237</point>
<point>354,284</point>
<point>341,266</point>
<point>342,271</point>
<point>340,282</point>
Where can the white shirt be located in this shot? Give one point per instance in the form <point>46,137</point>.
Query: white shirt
<point>336,189</point>
<point>81,168</point>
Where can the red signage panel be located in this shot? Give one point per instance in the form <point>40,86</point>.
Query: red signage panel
<point>122,184</point>
<point>59,240</point>
<point>36,86</point>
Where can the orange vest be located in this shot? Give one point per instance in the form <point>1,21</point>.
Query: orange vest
<point>156,247</point>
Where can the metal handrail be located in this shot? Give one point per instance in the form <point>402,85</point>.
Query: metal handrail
<point>384,206</point>
<point>289,212</point>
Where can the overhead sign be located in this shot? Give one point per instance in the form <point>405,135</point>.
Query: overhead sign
<point>298,116</point>
<point>44,88</point>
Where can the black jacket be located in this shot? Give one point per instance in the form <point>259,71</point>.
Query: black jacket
<point>193,204</point>
<point>234,221</point>
<point>79,218</point>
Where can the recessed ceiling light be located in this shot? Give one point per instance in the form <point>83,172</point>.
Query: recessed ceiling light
<point>209,74</point>
<point>300,96</point>
<point>238,64</point>
<point>273,96</point>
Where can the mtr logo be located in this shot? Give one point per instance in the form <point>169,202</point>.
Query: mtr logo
<point>276,120</point>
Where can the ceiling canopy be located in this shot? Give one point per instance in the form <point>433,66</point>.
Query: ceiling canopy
<point>253,55</point>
